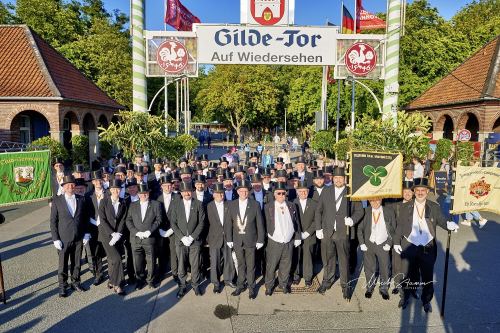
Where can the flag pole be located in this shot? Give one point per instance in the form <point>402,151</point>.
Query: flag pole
<point>165,81</point>
<point>338,84</point>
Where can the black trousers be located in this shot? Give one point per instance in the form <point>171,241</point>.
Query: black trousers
<point>417,265</point>
<point>115,266</point>
<point>376,254</point>
<point>246,266</point>
<point>162,250</point>
<point>397,275</point>
<point>331,249</point>
<point>221,263</point>
<point>278,255</point>
<point>174,261</point>
<point>189,255</point>
<point>144,255</point>
<point>129,256</point>
<point>95,254</point>
<point>72,253</point>
<point>302,264</point>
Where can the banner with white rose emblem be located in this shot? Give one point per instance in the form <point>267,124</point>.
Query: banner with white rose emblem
<point>476,189</point>
<point>375,175</point>
<point>24,177</point>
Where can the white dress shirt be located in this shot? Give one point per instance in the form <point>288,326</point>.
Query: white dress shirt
<point>266,186</point>
<point>71,203</point>
<point>243,207</point>
<point>134,198</point>
<point>420,234</point>
<point>167,197</point>
<point>158,175</point>
<point>283,225</point>
<point>59,177</point>
<point>200,195</point>
<point>338,193</point>
<point>144,207</point>
<point>115,204</point>
<point>122,192</point>
<point>187,208</point>
<point>303,204</point>
<point>302,175</point>
<point>379,231</point>
<point>220,211</point>
<point>319,189</point>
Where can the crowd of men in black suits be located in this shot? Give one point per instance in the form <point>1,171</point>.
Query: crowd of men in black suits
<point>231,223</point>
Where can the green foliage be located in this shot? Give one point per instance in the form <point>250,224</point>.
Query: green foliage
<point>80,150</point>
<point>187,142</point>
<point>343,147</point>
<point>444,149</point>
<point>324,142</point>
<point>55,147</point>
<point>105,149</point>
<point>6,14</point>
<point>465,152</point>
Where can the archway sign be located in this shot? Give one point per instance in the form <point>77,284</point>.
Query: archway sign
<point>267,37</point>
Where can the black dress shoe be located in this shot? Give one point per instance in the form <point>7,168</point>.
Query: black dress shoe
<point>176,278</point>
<point>395,291</point>
<point>296,281</point>
<point>427,307</point>
<point>322,289</point>
<point>62,292</point>
<point>308,283</point>
<point>197,291</point>
<point>269,292</point>
<point>287,290</point>
<point>139,285</point>
<point>237,291</point>
<point>78,287</point>
<point>251,293</point>
<point>110,286</point>
<point>415,294</point>
<point>345,293</point>
<point>181,293</point>
<point>368,294</point>
<point>151,285</point>
<point>217,289</point>
<point>230,284</point>
<point>98,280</point>
<point>385,295</point>
<point>403,303</point>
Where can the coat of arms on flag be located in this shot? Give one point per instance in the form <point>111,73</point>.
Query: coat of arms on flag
<point>375,175</point>
<point>476,189</point>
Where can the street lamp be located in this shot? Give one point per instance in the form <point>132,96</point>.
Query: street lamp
<point>166,109</point>
<point>350,78</point>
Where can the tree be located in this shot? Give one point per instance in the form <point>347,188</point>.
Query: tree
<point>6,14</point>
<point>55,147</point>
<point>324,143</point>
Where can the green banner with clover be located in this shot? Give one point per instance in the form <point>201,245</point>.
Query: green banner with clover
<point>24,177</point>
<point>375,175</point>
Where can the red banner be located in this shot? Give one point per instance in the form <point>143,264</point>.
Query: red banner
<point>179,16</point>
<point>370,21</point>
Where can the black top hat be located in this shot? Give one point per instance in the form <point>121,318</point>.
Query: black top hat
<point>200,179</point>
<point>115,183</point>
<point>166,179</point>
<point>105,171</point>
<point>317,174</point>
<point>272,166</point>
<point>79,168</point>
<point>219,188</point>
<point>138,154</point>
<point>211,174</point>
<point>198,167</point>
<point>228,175</point>
<point>339,171</point>
<point>132,182</point>
<point>313,164</point>
<point>266,172</point>
<point>68,179</point>
<point>240,168</point>
<point>212,165</point>
<point>279,160</point>
<point>139,169</point>
<point>122,160</point>
<point>223,159</point>
<point>58,160</point>
<point>302,185</point>
<point>244,184</point>
<point>280,186</point>
<point>185,171</point>
<point>409,166</point>
<point>293,175</point>
<point>300,159</point>
<point>220,172</point>
<point>80,182</point>
<point>156,161</point>
<point>327,169</point>
<point>252,165</point>
<point>204,157</point>
<point>289,166</point>
<point>120,169</point>
<point>421,182</point>
<point>408,184</point>
<point>186,187</point>
<point>281,173</point>
<point>255,178</point>
<point>176,175</point>
<point>143,188</point>
<point>183,159</point>
<point>96,175</point>
<point>254,154</point>
<point>131,166</point>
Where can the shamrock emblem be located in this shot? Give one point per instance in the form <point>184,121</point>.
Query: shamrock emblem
<point>375,174</point>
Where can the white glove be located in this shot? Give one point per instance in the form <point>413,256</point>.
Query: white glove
<point>115,237</point>
<point>452,226</point>
<point>140,235</point>
<point>398,249</point>
<point>230,244</point>
<point>163,233</point>
<point>363,247</point>
<point>297,242</point>
<point>259,246</point>
<point>348,221</point>
<point>58,245</point>
<point>146,234</point>
<point>386,247</point>
<point>170,232</point>
<point>319,234</point>
<point>94,222</point>
<point>86,238</point>
<point>185,241</point>
<point>190,239</point>
<point>304,235</point>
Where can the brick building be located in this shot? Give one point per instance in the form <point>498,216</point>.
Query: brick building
<point>468,97</point>
<point>42,93</point>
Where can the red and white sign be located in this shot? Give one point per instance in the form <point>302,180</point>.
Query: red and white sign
<point>267,12</point>
<point>464,135</point>
<point>361,59</point>
<point>172,56</point>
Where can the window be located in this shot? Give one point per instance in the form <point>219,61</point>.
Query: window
<point>25,129</point>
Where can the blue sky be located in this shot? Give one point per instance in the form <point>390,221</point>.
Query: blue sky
<point>307,12</point>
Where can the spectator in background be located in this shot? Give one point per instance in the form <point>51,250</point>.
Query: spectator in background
<point>259,149</point>
<point>247,152</point>
<point>285,156</point>
<point>276,141</point>
<point>267,159</point>
<point>295,143</point>
<point>209,142</point>
<point>419,168</point>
